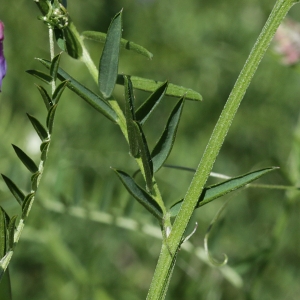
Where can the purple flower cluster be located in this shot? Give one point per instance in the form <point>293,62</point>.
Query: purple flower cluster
<point>2,59</point>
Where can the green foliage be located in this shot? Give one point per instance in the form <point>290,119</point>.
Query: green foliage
<point>109,61</point>
<point>92,193</point>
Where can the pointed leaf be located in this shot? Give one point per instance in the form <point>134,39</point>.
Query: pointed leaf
<point>164,145</point>
<point>54,66</point>
<point>40,75</point>
<point>108,66</point>
<point>58,91</point>
<point>140,194</point>
<point>4,220</point>
<point>17,193</point>
<point>145,155</point>
<point>215,191</point>
<point>150,85</point>
<point>50,118</point>
<point>125,44</point>
<point>130,117</point>
<point>11,232</point>
<point>144,111</point>
<point>39,128</point>
<point>26,160</point>
<point>91,98</point>
<point>27,203</point>
<point>45,96</point>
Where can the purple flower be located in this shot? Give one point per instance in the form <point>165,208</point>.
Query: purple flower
<point>2,59</point>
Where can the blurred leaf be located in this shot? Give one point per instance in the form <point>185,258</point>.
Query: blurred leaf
<point>26,160</point>
<point>58,91</point>
<point>40,75</point>
<point>11,232</point>
<point>144,111</point>
<point>35,178</point>
<point>50,118</point>
<point>215,191</point>
<point>150,85</point>
<point>5,286</point>
<point>140,194</point>
<point>45,96</point>
<point>39,128</point>
<point>91,98</point>
<point>164,145</point>
<point>145,155</point>
<point>17,193</point>
<point>44,150</point>
<point>101,37</point>
<point>109,61</point>
<point>43,6</point>
<point>130,117</point>
<point>27,203</point>
<point>4,220</point>
<point>54,66</point>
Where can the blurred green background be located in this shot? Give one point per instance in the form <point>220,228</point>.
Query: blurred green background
<point>197,44</point>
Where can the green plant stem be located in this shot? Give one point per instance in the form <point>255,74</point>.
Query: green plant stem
<point>168,254</point>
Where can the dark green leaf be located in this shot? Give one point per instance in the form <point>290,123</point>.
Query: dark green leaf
<point>27,203</point>
<point>150,85</point>
<point>40,75</point>
<point>58,91</point>
<point>11,232</point>
<point>43,6</point>
<point>50,118</point>
<point>17,193</point>
<point>54,66</point>
<point>45,96</point>
<point>164,145</point>
<point>39,128</point>
<point>72,39</point>
<point>26,160</point>
<point>101,37</point>
<point>144,111</point>
<point>60,39</point>
<point>130,117</point>
<point>108,66</point>
<point>145,155</point>
<point>5,286</point>
<point>44,150</point>
<point>140,194</point>
<point>220,189</point>
<point>91,98</point>
<point>35,179</point>
<point>4,221</point>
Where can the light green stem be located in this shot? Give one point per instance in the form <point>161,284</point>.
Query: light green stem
<point>165,263</point>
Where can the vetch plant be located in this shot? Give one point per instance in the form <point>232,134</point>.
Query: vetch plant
<point>130,118</point>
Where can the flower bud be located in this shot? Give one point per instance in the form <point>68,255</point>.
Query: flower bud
<point>2,59</point>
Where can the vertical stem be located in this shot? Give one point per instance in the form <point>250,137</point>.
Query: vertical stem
<point>52,53</point>
<point>165,263</point>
